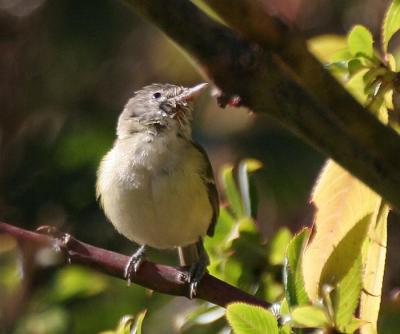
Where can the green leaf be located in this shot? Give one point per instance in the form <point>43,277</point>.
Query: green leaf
<point>342,56</point>
<point>354,66</point>
<point>345,254</point>
<point>355,85</point>
<point>284,307</point>
<point>277,246</point>
<point>391,23</point>
<point>224,233</point>
<point>250,319</point>
<point>285,329</point>
<point>346,295</point>
<point>353,326</point>
<point>360,42</point>
<point>137,329</point>
<point>339,67</point>
<point>293,273</point>
<point>232,192</point>
<point>310,316</point>
<point>248,194</point>
<point>323,46</point>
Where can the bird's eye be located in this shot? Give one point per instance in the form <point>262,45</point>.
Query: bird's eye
<point>157,95</point>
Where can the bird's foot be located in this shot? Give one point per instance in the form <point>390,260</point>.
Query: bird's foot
<point>196,273</point>
<point>134,263</point>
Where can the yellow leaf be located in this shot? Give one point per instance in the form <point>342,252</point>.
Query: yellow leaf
<point>341,202</point>
<point>324,46</point>
<point>374,259</point>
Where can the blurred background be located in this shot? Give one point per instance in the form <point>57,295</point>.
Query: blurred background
<point>67,68</point>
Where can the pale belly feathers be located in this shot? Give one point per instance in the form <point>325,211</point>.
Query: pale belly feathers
<point>153,196</point>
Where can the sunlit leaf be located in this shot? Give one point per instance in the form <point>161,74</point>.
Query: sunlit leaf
<point>345,253</point>
<point>285,329</point>
<point>354,66</point>
<point>360,41</point>
<point>355,85</point>
<point>343,56</point>
<point>224,232</point>
<point>231,191</point>
<point>354,325</point>
<point>341,202</point>
<point>324,46</point>
<point>391,61</point>
<point>248,194</point>
<point>310,316</point>
<point>374,259</point>
<point>232,271</point>
<point>284,307</point>
<point>346,295</point>
<point>391,23</point>
<point>277,246</point>
<point>250,319</point>
<point>293,273</point>
<point>137,328</point>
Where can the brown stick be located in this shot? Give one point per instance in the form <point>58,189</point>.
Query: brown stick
<point>160,278</point>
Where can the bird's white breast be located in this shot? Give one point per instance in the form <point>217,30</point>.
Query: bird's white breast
<point>152,191</point>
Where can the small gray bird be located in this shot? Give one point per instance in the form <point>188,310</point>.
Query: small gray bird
<point>156,185</point>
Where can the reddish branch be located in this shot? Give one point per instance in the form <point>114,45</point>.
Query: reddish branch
<point>160,278</point>
<point>269,67</point>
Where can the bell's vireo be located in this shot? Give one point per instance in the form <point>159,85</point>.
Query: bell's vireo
<point>156,185</point>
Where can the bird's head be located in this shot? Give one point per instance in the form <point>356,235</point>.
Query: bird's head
<point>159,107</point>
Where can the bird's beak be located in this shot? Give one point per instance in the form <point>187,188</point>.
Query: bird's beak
<point>193,93</point>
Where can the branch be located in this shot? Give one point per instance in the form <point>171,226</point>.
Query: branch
<point>273,72</point>
<point>160,278</point>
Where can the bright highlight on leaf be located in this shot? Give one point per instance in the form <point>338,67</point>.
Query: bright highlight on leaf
<point>277,246</point>
<point>346,295</point>
<point>360,42</point>
<point>231,191</point>
<point>293,273</point>
<point>246,187</point>
<point>310,317</point>
<point>250,319</point>
<point>391,23</point>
